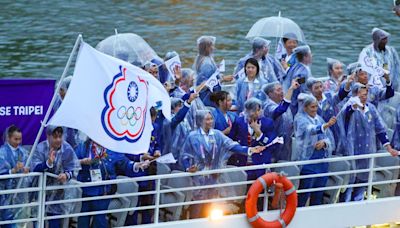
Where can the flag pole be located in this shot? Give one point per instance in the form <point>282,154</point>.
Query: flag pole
<point>46,117</point>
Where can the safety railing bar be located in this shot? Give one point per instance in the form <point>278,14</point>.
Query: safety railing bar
<point>98,212</point>
<point>20,175</point>
<point>202,201</point>
<point>328,174</point>
<point>35,204</point>
<point>18,221</point>
<point>222,185</point>
<point>21,190</point>
<point>331,188</point>
<point>380,168</point>
<point>385,182</point>
<point>100,197</point>
<point>225,170</point>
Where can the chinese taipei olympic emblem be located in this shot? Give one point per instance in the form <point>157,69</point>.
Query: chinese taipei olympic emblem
<point>124,114</point>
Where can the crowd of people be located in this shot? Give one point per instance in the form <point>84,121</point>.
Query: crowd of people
<point>276,100</point>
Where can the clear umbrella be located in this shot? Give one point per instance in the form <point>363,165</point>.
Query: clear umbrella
<point>275,27</point>
<point>128,47</point>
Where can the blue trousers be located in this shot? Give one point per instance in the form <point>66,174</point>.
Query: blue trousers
<point>98,220</point>
<point>353,194</point>
<point>54,223</point>
<point>316,182</point>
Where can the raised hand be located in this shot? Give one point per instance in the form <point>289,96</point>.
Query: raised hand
<point>295,84</point>
<point>178,73</point>
<point>192,97</point>
<point>52,156</point>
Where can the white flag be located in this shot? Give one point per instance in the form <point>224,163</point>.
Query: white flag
<point>240,74</point>
<point>166,159</point>
<point>109,100</point>
<point>371,67</point>
<point>276,140</point>
<point>221,66</point>
<point>280,50</point>
<point>213,81</point>
<point>171,64</point>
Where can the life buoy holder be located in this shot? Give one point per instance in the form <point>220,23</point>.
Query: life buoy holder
<point>261,184</point>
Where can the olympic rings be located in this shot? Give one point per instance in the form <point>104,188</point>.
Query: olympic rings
<point>132,115</point>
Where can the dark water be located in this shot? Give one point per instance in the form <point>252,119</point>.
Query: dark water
<point>36,37</point>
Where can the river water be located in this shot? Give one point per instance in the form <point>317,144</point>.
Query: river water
<point>36,37</point>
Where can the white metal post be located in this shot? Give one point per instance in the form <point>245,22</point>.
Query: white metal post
<point>157,201</point>
<point>370,177</point>
<point>42,200</point>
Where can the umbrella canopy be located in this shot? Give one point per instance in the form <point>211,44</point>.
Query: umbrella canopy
<point>128,47</point>
<point>275,27</point>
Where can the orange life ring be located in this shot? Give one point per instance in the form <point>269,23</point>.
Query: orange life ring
<point>252,196</point>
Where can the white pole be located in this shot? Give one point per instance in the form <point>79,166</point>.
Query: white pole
<point>46,117</point>
<point>278,38</point>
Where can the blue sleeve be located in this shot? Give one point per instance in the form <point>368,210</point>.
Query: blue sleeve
<point>187,95</point>
<point>179,117</point>
<point>348,112</point>
<point>343,93</point>
<point>282,108</point>
<point>41,167</point>
<point>389,91</point>
<point>186,164</point>
<point>240,149</point>
<point>383,138</point>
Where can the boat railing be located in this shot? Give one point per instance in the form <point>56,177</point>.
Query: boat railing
<point>174,193</point>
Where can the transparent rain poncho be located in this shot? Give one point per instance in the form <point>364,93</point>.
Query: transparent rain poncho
<point>128,47</point>
<point>65,160</point>
<point>396,135</point>
<point>207,157</point>
<point>308,131</point>
<point>331,85</point>
<point>359,137</point>
<point>389,56</point>
<point>8,159</point>
<point>283,124</point>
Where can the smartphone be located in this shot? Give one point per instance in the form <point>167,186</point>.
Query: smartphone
<point>301,80</point>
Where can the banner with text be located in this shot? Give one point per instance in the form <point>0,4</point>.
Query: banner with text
<point>24,102</point>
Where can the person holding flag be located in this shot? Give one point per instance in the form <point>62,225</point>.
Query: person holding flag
<point>380,58</point>
<point>253,129</point>
<point>360,75</point>
<point>205,67</point>
<point>100,164</point>
<point>205,149</point>
<point>276,107</point>
<point>360,125</point>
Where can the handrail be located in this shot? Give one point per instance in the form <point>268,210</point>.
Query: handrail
<point>42,188</point>
<point>224,170</point>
